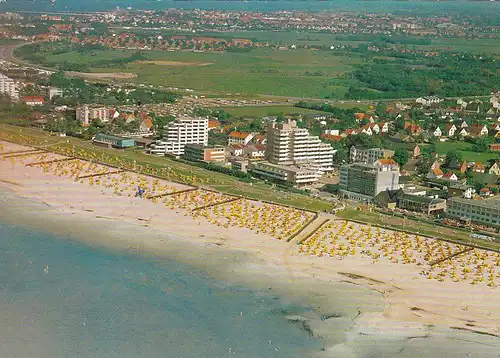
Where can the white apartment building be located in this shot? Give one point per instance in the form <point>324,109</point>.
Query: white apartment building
<point>184,130</point>
<point>8,87</point>
<point>288,144</point>
<point>85,114</point>
<point>368,156</point>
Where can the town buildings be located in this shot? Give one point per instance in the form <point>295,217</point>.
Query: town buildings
<point>184,130</point>
<point>365,181</point>
<point>288,144</point>
<point>200,153</point>
<point>9,87</point>
<point>86,114</point>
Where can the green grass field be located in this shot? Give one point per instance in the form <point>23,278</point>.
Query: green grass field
<point>261,111</point>
<point>262,71</point>
<point>488,46</point>
<point>466,150</point>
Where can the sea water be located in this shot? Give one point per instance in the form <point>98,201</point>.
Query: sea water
<point>430,7</point>
<point>60,298</point>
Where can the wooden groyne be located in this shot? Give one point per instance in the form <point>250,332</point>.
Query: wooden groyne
<point>297,233</point>
<point>51,162</point>
<point>19,152</point>
<point>433,263</point>
<point>323,223</point>
<point>172,193</point>
<point>100,174</point>
<point>215,204</point>
<point>24,154</point>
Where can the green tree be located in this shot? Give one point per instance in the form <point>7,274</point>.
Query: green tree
<point>401,156</point>
<point>452,156</point>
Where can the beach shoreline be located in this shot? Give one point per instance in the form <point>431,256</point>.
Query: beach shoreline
<point>376,301</point>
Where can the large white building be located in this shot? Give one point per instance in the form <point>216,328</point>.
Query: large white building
<point>182,131</point>
<point>8,87</point>
<point>85,114</point>
<point>289,144</point>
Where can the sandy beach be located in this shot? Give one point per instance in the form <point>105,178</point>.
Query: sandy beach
<point>392,286</point>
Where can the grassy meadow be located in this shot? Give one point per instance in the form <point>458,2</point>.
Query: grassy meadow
<point>293,73</point>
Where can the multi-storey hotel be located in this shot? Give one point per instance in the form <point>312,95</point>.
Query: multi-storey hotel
<point>8,87</point>
<point>184,130</point>
<point>365,181</point>
<point>288,144</point>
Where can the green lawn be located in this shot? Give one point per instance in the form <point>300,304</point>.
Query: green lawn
<point>224,183</point>
<point>466,150</point>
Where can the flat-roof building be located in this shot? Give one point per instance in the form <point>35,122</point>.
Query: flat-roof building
<point>369,156</point>
<point>182,131</point>
<point>112,141</point>
<point>365,181</point>
<point>9,87</point>
<point>290,174</point>
<point>288,144</point>
<point>422,204</point>
<point>200,153</point>
<point>486,211</point>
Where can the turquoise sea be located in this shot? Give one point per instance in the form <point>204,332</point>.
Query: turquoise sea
<point>434,8</point>
<point>60,298</point>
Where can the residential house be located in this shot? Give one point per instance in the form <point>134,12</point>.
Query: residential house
<point>239,138</point>
<point>463,132</point>
<point>495,147</point>
<point>255,151</point>
<point>214,125</point>
<point>236,150</point>
<point>449,130</point>
<point>384,127</point>
<point>435,173</point>
<point>478,168</point>
<point>450,176</point>
<point>463,124</point>
<point>477,130</point>
<point>34,100</point>
<point>146,125</point>
<point>437,132</point>
<point>495,127</point>
<point>367,130</point>
<point>485,192</point>
<point>259,139</point>
<point>413,129</point>
<point>495,101</point>
<point>435,165</point>
<point>415,151</point>
<point>464,191</point>
<point>494,169</point>
<point>428,101</point>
